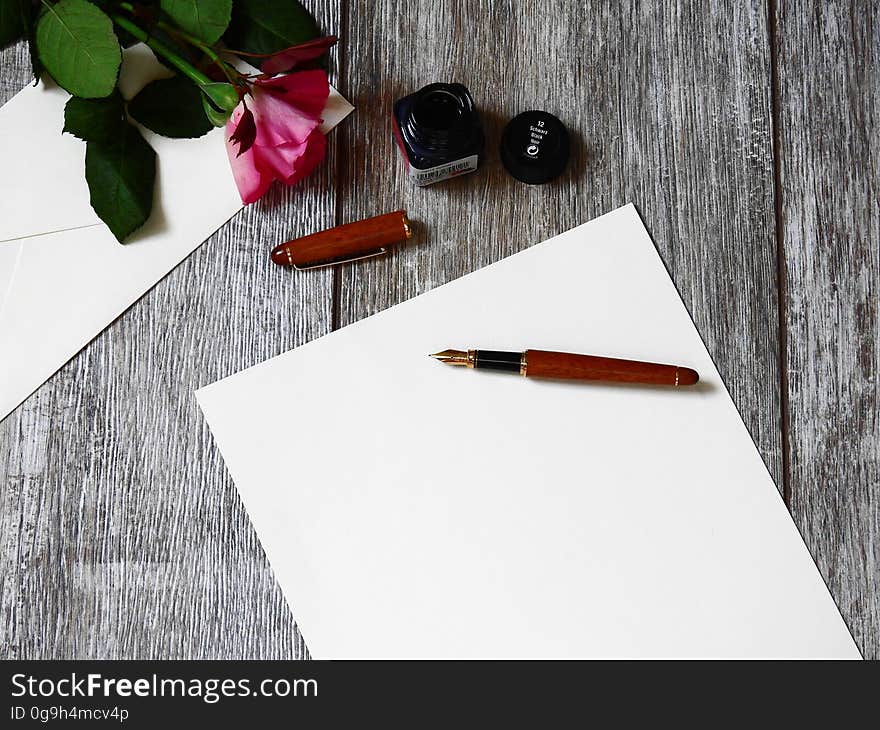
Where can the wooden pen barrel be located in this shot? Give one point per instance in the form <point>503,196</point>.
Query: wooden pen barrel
<point>345,242</point>
<point>565,366</point>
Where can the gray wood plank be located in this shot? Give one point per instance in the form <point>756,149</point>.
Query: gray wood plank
<point>829,84</point>
<point>122,535</point>
<point>669,104</point>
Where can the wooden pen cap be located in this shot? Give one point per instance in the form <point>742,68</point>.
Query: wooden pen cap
<point>349,242</point>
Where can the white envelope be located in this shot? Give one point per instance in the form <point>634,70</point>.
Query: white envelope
<point>63,276</point>
<point>413,509</point>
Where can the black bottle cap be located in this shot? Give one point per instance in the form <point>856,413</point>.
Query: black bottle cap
<point>534,147</point>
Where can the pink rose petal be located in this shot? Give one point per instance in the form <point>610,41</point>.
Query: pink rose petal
<point>292,162</point>
<point>288,144</point>
<point>291,57</point>
<point>306,90</point>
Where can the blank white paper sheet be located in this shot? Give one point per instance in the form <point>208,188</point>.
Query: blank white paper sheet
<point>412,509</point>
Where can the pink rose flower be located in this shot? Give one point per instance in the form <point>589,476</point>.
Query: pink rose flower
<point>273,133</point>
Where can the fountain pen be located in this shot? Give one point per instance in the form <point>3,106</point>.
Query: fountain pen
<point>567,366</point>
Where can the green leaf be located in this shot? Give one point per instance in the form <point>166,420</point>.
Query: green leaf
<point>222,95</point>
<point>218,118</point>
<point>77,45</point>
<point>13,21</point>
<point>121,173</point>
<point>205,19</point>
<point>262,26</point>
<point>94,120</point>
<point>171,107</point>
<point>36,64</point>
<point>17,21</point>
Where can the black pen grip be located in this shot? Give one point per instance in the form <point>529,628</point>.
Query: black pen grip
<point>508,362</point>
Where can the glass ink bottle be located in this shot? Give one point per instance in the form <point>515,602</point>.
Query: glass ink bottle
<point>439,133</point>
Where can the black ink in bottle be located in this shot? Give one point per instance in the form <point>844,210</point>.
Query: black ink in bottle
<point>439,133</point>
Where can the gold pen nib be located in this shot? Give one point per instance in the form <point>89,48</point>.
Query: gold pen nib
<point>452,357</point>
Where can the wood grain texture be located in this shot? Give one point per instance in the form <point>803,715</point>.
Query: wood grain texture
<point>569,366</point>
<point>829,89</point>
<point>350,241</point>
<point>122,534</point>
<point>669,107</point>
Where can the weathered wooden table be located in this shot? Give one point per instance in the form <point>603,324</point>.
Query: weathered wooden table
<point>746,133</point>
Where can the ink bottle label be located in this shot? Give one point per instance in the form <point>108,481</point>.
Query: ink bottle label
<point>443,172</point>
<point>439,133</point>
